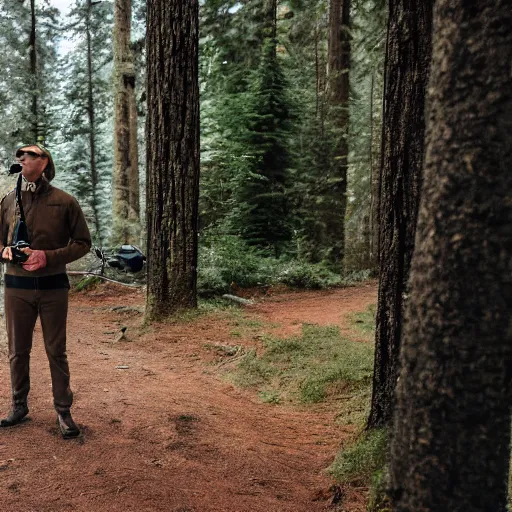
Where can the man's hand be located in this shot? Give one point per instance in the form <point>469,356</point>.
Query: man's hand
<point>6,254</point>
<point>36,259</point>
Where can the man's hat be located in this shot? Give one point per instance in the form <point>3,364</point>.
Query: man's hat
<point>49,171</point>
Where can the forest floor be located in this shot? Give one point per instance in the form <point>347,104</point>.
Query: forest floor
<point>163,429</point>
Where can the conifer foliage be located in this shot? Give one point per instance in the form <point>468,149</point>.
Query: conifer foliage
<point>87,69</point>
<point>28,38</point>
<point>263,210</point>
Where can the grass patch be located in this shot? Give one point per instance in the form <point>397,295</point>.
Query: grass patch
<point>307,368</point>
<point>363,459</point>
<point>204,307</point>
<point>364,321</point>
<point>87,283</point>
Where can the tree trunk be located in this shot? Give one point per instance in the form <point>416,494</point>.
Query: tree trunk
<point>450,448</point>
<point>338,97</point>
<point>92,127</point>
<point>125,201</point>
<point>172,134</point>
<point>270,7</point>
<point>33,71</point>
<point>408,54</point>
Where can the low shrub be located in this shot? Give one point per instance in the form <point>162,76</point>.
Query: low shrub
<point>301,274</point>
<point>227,260</point>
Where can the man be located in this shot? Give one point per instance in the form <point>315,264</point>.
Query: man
<point>39,286</point>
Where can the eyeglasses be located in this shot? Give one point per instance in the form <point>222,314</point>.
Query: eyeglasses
<point>31,154</point>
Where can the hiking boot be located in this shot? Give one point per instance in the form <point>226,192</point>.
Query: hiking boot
<point>67,426</point>
<point>16,416</point>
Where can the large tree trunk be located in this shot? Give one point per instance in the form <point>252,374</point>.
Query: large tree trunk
<point>172,134</point>
<point>408,54</point>
<point>450,448</point>
<point>338,59</point>
<point>125,201</point>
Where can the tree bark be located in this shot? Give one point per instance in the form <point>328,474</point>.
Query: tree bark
<point>126,227</point>
<point>338,96</point>
<point>408,54</point>
<point>450,448</point>
<point>172,134</point>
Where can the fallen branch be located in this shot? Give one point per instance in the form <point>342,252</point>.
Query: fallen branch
<point>240,300</point>
<point>78,273</point>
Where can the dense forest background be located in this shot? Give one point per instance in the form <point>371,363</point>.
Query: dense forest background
<point>290,128</point>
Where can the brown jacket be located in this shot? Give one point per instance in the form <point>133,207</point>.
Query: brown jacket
<point>56,225</point>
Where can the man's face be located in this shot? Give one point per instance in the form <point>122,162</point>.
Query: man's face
<point>33,162</point>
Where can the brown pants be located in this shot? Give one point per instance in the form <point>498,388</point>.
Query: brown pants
<point>22,308</point>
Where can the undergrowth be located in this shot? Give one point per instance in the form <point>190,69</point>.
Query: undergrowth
<point>227,260</point>
<point>361,460</point>
<point>306,368</point>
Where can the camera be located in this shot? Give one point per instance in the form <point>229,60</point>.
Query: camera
<point>19,257</point>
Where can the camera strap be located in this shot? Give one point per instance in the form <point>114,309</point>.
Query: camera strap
<point>19,202</point>
<point>21,231</point>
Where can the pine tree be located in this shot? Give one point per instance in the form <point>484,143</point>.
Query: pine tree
<point>335,195</point>
<point>27,86</point>
<point>368,29</point>
<point>86,88</point>
<point>263,218</point>
<point>231,43</point>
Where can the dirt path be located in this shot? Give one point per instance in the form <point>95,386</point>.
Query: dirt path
<point>162,430</point>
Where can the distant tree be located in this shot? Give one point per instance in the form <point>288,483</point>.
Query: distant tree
<point>244,118</point>
<point>325,43</point>
<point>263,214</point>
<point>28,37</point>
<point>226,57</point>
<point>451,438</point>
<point>172,134</point>
<point>86,119</point>
<point>312,142</point>
<point>125,180</point>
<point>232,33</point>
<point>408,54</point>
<point>368,31</point>
<point>338,83</point>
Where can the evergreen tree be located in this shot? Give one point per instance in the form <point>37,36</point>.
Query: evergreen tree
<point>263,214</point>
<point>335,194</point>
<point>87,121</point>
<point>368,29</point>
<point>312,142</point>
<point>231,42</point>
<point>245,123</point>
<point>28,97</point>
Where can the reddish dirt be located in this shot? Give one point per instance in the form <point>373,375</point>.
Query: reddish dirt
<point>162,430</point>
